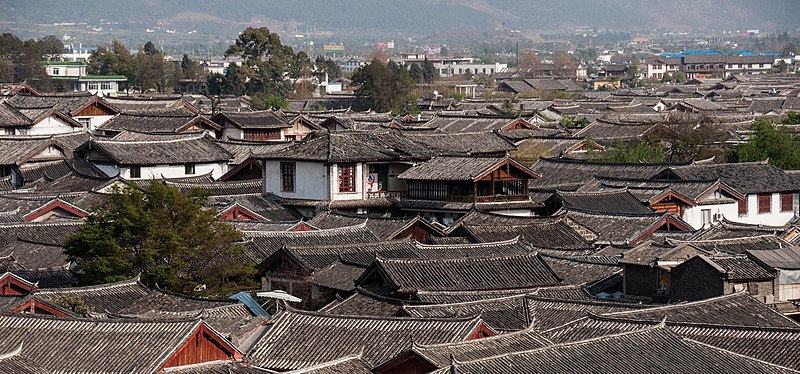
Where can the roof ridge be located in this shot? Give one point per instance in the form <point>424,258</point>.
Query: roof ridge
<point>470,302</point>
<point>588,302</point>
<point>40,224</point>
<point>607,318</point>
<point>498,243</point>
<point>310,313</point>
<point>526,331</point>
<point>684,304</point>
<point>736,354</point>
<point>68,319</point>
<point>299,233</point>
<point>103,286</point>
<point>458,259</point>
<point>322,365</point>
<point>726,239</point>
<point>612,214</point>
<point>197,137</point>
<point>13,353</point>
<point>347,245</point>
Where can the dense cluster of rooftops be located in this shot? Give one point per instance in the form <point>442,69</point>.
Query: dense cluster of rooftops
<point>460,240</point>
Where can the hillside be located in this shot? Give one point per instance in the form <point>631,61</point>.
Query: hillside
<point>410,17</point>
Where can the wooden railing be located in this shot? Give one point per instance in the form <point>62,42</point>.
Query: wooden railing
<point>501,198</point>
<point>385,194</point>
<point>485,199</point>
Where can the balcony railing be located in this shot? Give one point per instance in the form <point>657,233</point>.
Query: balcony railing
<point>486,199</point>
<point>501,198</point>
<point>385,194</point>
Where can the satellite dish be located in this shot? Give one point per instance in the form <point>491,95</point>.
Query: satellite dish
<point>435,93</point>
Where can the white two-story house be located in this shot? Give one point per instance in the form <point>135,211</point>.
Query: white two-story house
<point>350,170</point>
<point>765,194</point>
<point>365,171</point>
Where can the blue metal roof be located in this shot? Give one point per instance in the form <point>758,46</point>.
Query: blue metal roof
<point>250,302</point>
<point>700,52</point>
<point>741,52</point>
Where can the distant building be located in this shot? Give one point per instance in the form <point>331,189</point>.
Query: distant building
<point>708,64</point>
<point>350,65</point>
<point>220,66</point>
<point>448,70</point>
<point>78,54</point>
<point>75,74</point>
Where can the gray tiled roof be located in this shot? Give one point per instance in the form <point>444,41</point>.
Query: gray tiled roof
<point>771,344</point>
<point>162,149</point>
<point>450,168</point>
<point>738,309</point>
<point>301,339</point>
<point>264,119</point>
<point>442,355</point>
<point>72,345</point>
<point>746,177</point>
<point>502,314</point>
<point>620,201</point>
<point>462,274</point>
<point>638,357</point>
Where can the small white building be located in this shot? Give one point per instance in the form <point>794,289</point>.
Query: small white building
<point>68,69</point>
<point>100,85</point>
<point>75,73</point>
<point>447,70</point>
<point>137,156</point>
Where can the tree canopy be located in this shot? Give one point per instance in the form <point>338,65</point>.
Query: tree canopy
<point>168,237</point>
<point>775,143</point>
<point>386,86</point>
<point>267,65</point>
<point>20,61</point>
<point>146,70</point>
<point>646,151</point>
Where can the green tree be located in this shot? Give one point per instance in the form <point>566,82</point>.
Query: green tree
<point>428,71</point>
<point>150,49</point>
<point>276,102</point>
<point>325,65</point>
<point>646,151</point>
<point>792,118</point>
<point>676,77</point>
<point>388,87</point>
<point>417,73</point>
<point>21,61</point>
<point>267,62</point>
<point>781,147</point>
<point>235,81</point>
<point>52,46</point>
<point>113,60</point>
<point>168,237</point>
<point>152,71</point>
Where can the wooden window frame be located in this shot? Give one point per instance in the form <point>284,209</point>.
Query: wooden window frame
<point>787,202</point>
<point>765,208</point>
<point>288,175</point>
<point>347,178</point>
<point>742,206</point>
<point>262,134</point>
<point>136,172</point>
<point>189,169</point>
